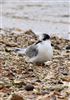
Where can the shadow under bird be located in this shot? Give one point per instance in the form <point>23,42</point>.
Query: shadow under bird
<point>41,51</point>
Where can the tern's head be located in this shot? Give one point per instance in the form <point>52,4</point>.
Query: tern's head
<point>44,37</point>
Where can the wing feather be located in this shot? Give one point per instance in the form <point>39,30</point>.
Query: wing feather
<point>32,51</point>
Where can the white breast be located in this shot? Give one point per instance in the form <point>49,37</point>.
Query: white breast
<point>45,52</point>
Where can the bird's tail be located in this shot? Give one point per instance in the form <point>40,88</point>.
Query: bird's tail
<point>20,50</point>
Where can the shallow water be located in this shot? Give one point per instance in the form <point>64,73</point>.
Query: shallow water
<point>52,17</point>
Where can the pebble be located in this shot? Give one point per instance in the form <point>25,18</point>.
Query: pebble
<point>7,49</point>
<point>29,87</point>
<point>1,85</point>
<point>18,83</point>
<point>15,97</point>
<point>42,75</point>
<point>48,63</point>
<point>36,91</point>
<point>68,47</point>
<point>44,92</point>
<point>66,78</point>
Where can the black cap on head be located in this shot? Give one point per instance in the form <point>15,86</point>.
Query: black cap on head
<point>46,37</point>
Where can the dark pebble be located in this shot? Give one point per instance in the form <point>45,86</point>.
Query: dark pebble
<point>68,47</point>
<point>38,80</point>
<point>30,69</point>
<point>29,87</point>
<point>65,73</point>
<point>59,82</point>
<point>32,75</point>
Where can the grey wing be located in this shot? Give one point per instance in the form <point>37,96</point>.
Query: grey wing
<point>32,51</point>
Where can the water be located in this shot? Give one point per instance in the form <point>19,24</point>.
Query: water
<point>42,16</point>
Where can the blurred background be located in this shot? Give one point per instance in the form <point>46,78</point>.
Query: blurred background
<point>49,16</point>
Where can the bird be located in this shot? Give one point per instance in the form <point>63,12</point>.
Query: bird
<point>39,52</point>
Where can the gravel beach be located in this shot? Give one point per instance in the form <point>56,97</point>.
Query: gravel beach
<point>20,80</point>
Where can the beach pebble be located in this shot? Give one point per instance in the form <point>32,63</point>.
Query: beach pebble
<point>48,63</point>
<point>68,47</point>
<point>15,97</point>
<point>29,87</point>
<point>21,80</point>
<point>18,83</point>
